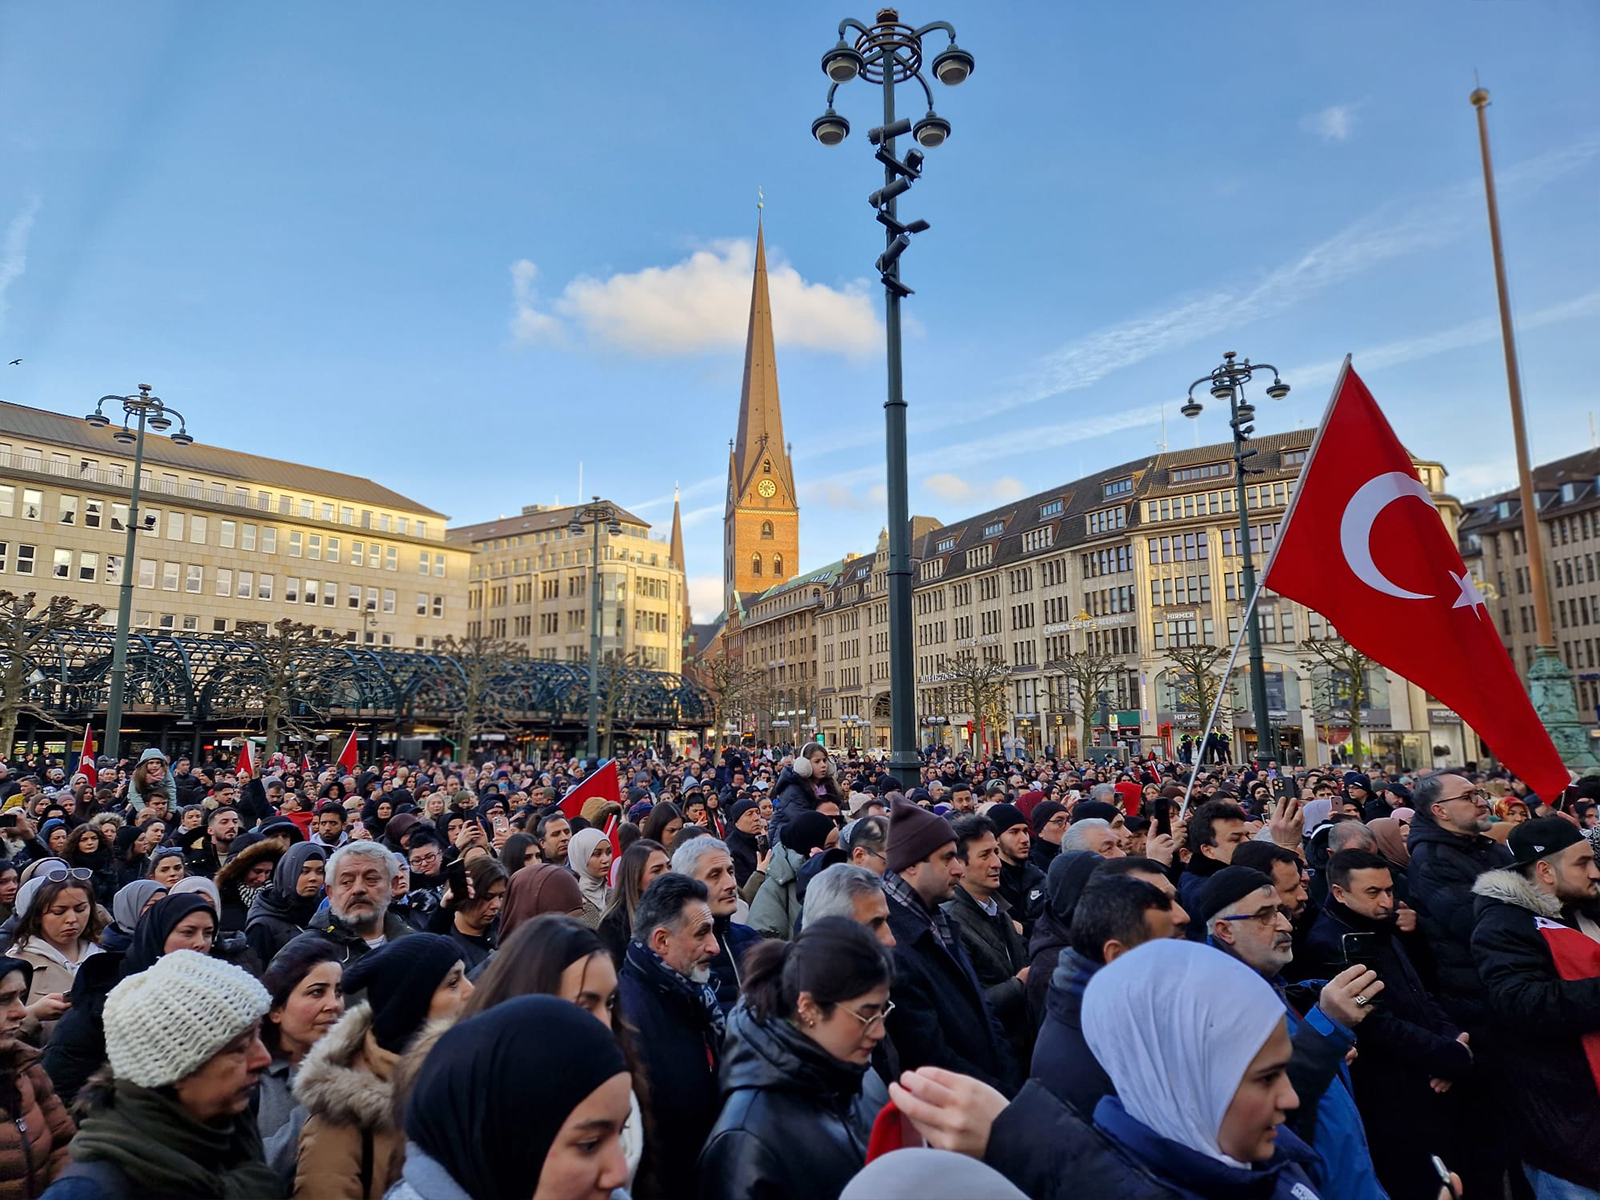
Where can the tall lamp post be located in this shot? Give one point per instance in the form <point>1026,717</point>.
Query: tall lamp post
<point>597,513</point>
<point>1227,383</point>
<point>144,411</point>
<point>886,53</point>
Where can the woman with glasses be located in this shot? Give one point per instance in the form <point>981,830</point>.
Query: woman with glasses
<point>796,1058</point>
<point>58,927</point>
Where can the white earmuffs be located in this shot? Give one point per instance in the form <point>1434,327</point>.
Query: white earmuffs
<point>802,768</point>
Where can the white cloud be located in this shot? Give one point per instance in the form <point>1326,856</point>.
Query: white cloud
<point>1332,124</point>
<point>705,596</point>
<point>955,489</point>
<point>528,324</point>
<point>14,250</point>
<point>695,515</point>
<point>841,498</point>
<point>701,304</point>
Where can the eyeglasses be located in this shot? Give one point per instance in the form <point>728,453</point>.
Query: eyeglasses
<point>1266,916</point>
<point>877,1019</point>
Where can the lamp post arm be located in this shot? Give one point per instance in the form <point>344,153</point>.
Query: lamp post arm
<point>944,26</point>
<point>851,23</point>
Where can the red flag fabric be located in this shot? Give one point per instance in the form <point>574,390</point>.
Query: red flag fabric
<point>1363,545</point>
<point>604,783</point>
<point>246,765</point>
<point>347,756</point>
<point>86,765</point>
<point>305,763</point>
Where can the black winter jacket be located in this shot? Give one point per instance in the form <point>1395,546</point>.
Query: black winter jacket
<point>1554,1098</point>
<point>1062,1060</point>
<point>77,1047</point>
<point>997,952</point>
<point>795,1120</point>
<point>1023,886</point>
<point>941,1017</point>
<point>1444,866</point>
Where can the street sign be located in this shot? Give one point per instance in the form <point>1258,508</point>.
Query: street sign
<point>1113,719</point>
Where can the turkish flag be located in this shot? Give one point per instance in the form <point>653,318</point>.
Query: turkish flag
<point>246,765</point>
<point>1363,545</point>
<point>86,757</point>
<point>604,783</point>
<point>347,756</point>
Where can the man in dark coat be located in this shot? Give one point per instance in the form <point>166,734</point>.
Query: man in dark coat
<point>1116,912</point>
<point>1049,827</point>
<point>941,1017</point>
<point>709,860</point>
<point>667,1002</point>
<point>1021,880</point>
<point>1411,1051</point>
<point>989,933</point>
<point>1216,829</point>
<point>1537,943</point>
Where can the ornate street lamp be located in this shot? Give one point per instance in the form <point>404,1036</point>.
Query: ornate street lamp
<point>596,513</point>
<point>1227,384</point>
<point>889,53</point>
<point>145,411</point>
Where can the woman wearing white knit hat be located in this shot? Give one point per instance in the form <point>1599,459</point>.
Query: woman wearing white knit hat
<point>174,1122</point>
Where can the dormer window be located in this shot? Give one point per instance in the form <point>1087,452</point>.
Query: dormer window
<point>1569,493</point>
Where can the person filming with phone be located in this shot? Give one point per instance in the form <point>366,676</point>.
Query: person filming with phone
<point>1410,1050</point>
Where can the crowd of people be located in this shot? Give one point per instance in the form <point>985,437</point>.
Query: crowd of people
<point>779,972</point>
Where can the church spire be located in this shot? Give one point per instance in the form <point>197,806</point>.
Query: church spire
<point>760,416</point>
<point>675,558</point>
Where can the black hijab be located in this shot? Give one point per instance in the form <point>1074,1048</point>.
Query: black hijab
<point>471,1109</point>
<point>155,927</point>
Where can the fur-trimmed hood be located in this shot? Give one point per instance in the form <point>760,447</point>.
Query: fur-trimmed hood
<point>404,1076</point>
<point>233,872</point>
<point>339,1079</point>
<point>1512,887</point>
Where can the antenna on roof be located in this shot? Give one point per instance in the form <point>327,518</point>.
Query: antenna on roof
<point>1163,442</point>
<point>1593,441</point>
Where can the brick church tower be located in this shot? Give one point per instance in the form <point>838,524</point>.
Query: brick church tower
<point>761,524</point>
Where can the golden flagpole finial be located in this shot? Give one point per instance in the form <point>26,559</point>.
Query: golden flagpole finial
<point>760,198</point>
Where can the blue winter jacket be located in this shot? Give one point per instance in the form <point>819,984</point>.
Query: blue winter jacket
<point>1196,1176</point>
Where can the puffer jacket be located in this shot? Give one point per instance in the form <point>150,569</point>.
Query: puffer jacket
<point>795,1120</point>
<point>1443,868</point>
<point>350,1148</point>
<point>777,904</point>
<point>1554,1098</point>
<point>791,794</point>
<point>34,1127</point>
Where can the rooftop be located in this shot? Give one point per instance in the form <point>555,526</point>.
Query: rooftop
<point>534,518</point>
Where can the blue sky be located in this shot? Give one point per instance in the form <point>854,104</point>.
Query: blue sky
<point>460,248</point>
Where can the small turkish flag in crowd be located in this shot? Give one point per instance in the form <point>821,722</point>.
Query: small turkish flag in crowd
<point>604,783</point>
<point>86,765</point>
<point>347,756</point>
<point>1363,545</point>
<point>246,766</point>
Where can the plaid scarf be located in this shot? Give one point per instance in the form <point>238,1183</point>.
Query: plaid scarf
<point>902,893</point>
<point>699,998</point>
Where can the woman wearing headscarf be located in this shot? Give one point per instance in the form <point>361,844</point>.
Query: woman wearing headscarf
<point>350,1148</point>
<point>34,1125</point>
<point>797,1056</point>
<point>78,1047</point>
<point>533,891</point>
<point>476,1131</point>
<point>915,1174</point>
<point>127,906</point>
<point>281,910</point>
<point>1197,1046</point>
<point>589,857</point>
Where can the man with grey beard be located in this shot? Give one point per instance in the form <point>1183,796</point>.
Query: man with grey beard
<point>665,994</point>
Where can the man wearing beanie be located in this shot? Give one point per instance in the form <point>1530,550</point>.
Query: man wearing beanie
<point>1537,946</point>
<point>1021,880</point>
<point>175,1121</point>
<point>1049,827</point>
<point>1238,906</point>
<point>941,1017</point>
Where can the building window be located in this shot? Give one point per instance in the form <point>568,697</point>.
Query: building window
<point>1216,470</point>
<point>32,505</point>
<point>224,581</point>
<point>68,510</point>
<point>194,578</point>
<point>777,566</point>
<point>391,559</point>
<point>994,530</point>
<point>755,564</point>
<point>358,552</point>
<point>269,539</point>
<point>62,568</point>
<point>147,572</point>
<point>314,547</point>
<point>88,566</point>
<point>766,532</point>
<point>425,563</point>
<point>309,592</point>
<point>1118,487</point>
<point>247,583</point>
<point>264,587</point>
<point>169,577</point>
<point>333,549</point>
<point>296,543</point>
<point>174,527</point>
<point>25,558</point>
<point>226,534</point>
<point>197,530</point>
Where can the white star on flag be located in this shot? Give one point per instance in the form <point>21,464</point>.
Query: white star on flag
<point>1470,596</point>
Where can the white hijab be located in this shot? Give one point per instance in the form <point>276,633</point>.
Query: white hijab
<point>1175,1024</point>
<point>579,849</point>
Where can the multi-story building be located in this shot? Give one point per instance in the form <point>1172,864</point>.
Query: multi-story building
<point>225,537</point>
<point>531,583</point>
<point>1567,492</point>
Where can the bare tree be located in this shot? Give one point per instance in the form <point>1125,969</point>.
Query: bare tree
<point>1197,681</point>
<point>1347,669</point>
<point>979,686</point>
<point>285,677</point>
<point>484,695</point>
<point>1088,672</point>
<point>23,631</point>
<point>729,683</point>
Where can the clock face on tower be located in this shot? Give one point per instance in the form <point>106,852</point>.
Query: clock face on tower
<point>767,488</point>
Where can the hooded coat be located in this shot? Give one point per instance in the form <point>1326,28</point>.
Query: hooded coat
<point>777,904</point>
<point>1443,868</point>
<point>34,1126</point>
<point>236,903</point>
<point>350,1147</point>
<point>278,913</point>
<point>1554,1096</point>
<point>775,1083</point>
<point>1053,931</point>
